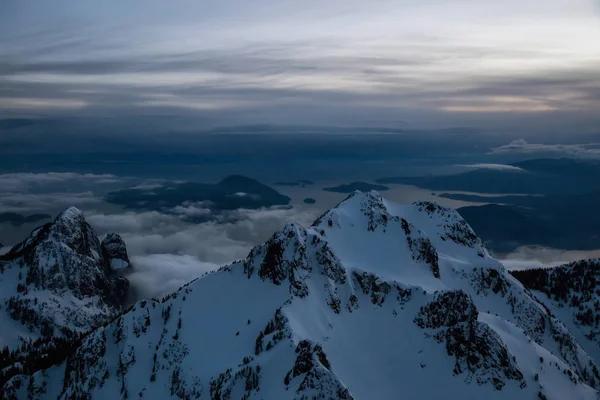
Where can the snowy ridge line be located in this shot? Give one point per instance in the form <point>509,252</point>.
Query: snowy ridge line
<point>373,299</point>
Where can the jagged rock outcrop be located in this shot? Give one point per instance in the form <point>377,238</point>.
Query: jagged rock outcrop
<point>55,286</point>
<point>114,252</point>
<point>453,318</point>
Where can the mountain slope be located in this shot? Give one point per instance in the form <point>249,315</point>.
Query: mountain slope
<point>571,292</point>
<point>374,300</point>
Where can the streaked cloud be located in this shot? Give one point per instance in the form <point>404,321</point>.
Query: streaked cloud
<point>499,167</point>
<point>436,62</point>
<point>521,146</point>
<point>31,181</point>
<point>27,202</point>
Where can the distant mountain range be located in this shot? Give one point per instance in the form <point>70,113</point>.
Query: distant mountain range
<point>375,300</point>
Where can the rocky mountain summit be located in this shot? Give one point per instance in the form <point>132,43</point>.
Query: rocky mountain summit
<point>57,284</point>
<point>375,300</point>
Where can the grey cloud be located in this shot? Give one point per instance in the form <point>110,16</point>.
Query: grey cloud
<point>585,80</point>
<point>499,167</point>
<point>164,246</point>
<point>521,146</point>
<point>28,181</point>
<point>528,257</point>
<point>129,222</point>
<point>263,63</point>
<point>270,83</point>
<point>192,210</point>
<point>52,191</point>
<point>258,60</point>
<point>158,274</point>
<point>26,202</point>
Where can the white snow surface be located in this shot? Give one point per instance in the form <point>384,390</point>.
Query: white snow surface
<point>375,300</point>
<point>117,263</point>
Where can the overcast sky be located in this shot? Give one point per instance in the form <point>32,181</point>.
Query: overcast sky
<point>424,62</point>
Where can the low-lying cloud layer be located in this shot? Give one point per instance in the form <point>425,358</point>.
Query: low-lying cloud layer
<point>52,191</point>
<point>29,181</point>
<point>25,202</point>
<point>498,167</point>
<point>167,252</point>
<point>165,248</point>
<point>156,275</point>
<point>528,257</point>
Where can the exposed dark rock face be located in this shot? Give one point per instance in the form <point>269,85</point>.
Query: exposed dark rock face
<point>272,264</point>
<point>486,280</point>
<point>573,291</point>
<point>478,350</point>
<point>66,256</point>
<point>455,229</point>
<point>312,363</point>
<point>64,288</point>
<point>572,283</point>
<point>421,247</point>
<point>114,252</point>
<point>271,268</point>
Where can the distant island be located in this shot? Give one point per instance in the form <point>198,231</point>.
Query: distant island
<point>560,221</point>
<point>548,202</point>
<point>537,176</point>
<point>231,193</point>
<point>18,219</point>
<point>354,186</point>
<point>309,200</point>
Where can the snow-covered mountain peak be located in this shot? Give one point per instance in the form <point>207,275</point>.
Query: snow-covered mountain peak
<point>59,280</point>
<point>451,225</point>
<point>356,208</point>
<point>440,224</point>
<point>70,228</point>
<point>71,215</point>
<point>373,300</point>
